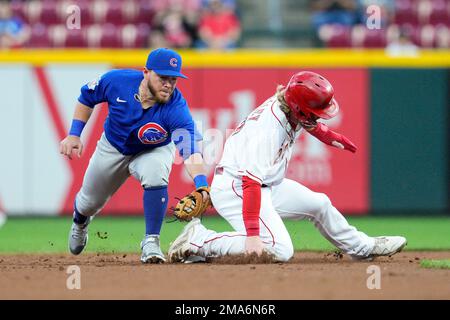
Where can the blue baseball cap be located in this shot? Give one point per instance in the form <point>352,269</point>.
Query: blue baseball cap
<point>165,62</point>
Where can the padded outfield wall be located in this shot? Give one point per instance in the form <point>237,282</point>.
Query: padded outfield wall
<point>395,110</point>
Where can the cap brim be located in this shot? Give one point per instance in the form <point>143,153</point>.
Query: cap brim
<point>170,73</point>
<point>330,111</point>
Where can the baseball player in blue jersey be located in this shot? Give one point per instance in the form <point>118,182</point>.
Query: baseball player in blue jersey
<point>148,119</point>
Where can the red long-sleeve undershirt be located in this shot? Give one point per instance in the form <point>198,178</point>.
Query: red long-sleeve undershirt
<point>251,205</point>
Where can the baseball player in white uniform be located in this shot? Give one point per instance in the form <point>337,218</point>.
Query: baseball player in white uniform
<point>251,192</point>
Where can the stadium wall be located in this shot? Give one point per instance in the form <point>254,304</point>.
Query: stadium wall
<point>391,170</point>
<point>409,139</point>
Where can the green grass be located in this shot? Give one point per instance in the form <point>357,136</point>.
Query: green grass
<point>108,234</point>
<point>435,264</point>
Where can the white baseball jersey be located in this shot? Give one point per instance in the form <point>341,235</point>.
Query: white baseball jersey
<point>261,146</point>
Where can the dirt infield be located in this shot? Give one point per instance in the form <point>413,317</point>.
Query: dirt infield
<point>307,276</point>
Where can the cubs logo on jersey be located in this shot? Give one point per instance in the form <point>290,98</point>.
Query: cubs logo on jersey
<point>152,133</point>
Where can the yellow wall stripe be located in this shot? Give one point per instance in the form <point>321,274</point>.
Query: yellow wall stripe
<point>238,58</point>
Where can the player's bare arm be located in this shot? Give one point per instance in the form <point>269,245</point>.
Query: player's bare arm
<point>195,165</point>
<point>196,168</point>
<point>73,142</point>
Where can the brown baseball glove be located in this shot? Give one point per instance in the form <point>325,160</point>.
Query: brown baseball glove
<point>192,205</point>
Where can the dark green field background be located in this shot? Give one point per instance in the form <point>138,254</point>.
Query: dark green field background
<point>409,141</point>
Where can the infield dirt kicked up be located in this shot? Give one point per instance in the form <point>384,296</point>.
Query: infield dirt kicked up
<point>309,275</point>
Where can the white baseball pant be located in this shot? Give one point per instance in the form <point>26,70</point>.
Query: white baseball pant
<point>289,199</point>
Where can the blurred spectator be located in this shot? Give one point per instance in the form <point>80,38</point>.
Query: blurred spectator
<point>219,27</point>
<point>172,29</point>
<point>13,32</point>
<point>176,21</point>
<point>402,45</point>
<point>386,7</point>
<point>156,39</point>
<point>342,12</point>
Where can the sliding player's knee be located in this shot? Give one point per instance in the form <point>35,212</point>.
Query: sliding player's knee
<point>324,204</point>
<point>283,251</point>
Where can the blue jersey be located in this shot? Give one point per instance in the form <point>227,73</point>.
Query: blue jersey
<point>132,129</point>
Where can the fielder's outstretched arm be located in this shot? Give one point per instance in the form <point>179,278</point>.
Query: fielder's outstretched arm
<point>195,167</point>
<point>73,142</point>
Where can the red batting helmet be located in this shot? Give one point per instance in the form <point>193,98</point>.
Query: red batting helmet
<point>310,93</point>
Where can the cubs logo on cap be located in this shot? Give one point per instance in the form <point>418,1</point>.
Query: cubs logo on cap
<point>165,62</point>
<point>173,62</point>
<point>152,133</point>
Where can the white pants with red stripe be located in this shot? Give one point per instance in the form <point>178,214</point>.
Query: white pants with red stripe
<point>289,199</point>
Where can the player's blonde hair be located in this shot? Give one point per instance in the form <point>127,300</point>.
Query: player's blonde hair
<point>280,97</point>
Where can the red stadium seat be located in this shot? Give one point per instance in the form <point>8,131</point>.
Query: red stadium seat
<point>405,12</point>
<point>61,37</point>
<point>114,13</point>
<point>75,38</point>
<point>375,38</point>
<point>33,11</point>
<point>130,11</point>
<point>392,33</point>
<point>93,36</point>
<point>46,12</point>
<point>145,13</point>
<point>358,34</point>
<point>425,36</point>
<point>440,12</point>
<point>442,36</point>
<point>134,36</point>
<point>128,35</point>
<point>18,8</point>
<point>143,32</point>
<point>415,36</point>
<point>39,37</point>
<point>98,10</point>
<point>110,37</point>
<point>57,35</point>
<point>339,37</point>
<point>49,13</point>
